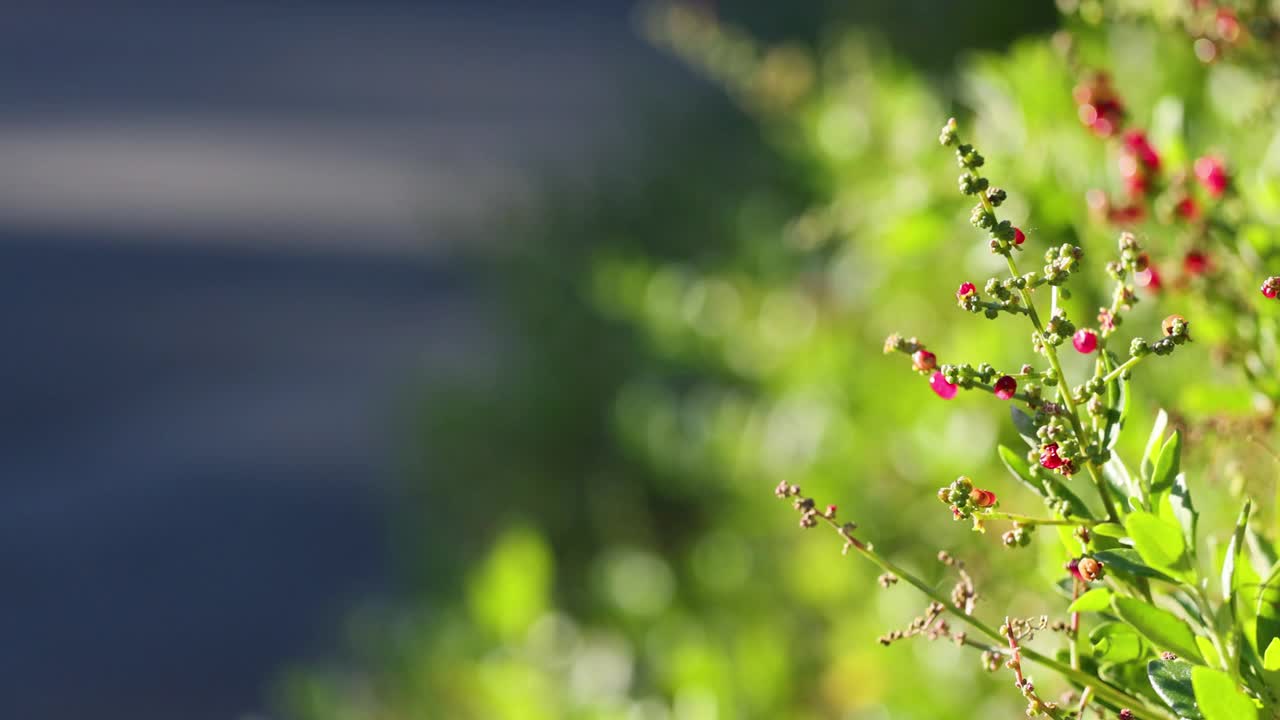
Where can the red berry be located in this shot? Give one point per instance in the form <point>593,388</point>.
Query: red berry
<point>924,361</point>
<point>1049,457</point>
<point>1195,263</point>
<point>1019,237</point>
<point>1212,174</point>
<point>966,288</point>
<point>1005,387</point>
<point>944,389</point>
<point>1085,341</point>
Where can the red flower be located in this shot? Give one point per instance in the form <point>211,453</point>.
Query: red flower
<point>982,498</point>
<point>966,289</point>
<point>1019,237</point>
<point>1049,457</point>
<point>1085,341</point>
<point>944,389</point>
<point>1005,387</point>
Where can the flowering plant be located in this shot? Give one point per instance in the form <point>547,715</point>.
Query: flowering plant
<point>1164,638</point>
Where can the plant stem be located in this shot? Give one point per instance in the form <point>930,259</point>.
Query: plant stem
<point>1101,688</point>
<point>1064,392</point>
<point>1028,520</point>
<point>1127,364</point>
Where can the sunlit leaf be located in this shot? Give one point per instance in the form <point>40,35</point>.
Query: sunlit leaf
<point>1096,600</point>
<point>1153,444</point>
<point>1116,642</point>
<point>1165,630</point>
<point>1167,464</point>
<point>1159,543</point>
<point>1219,697</point>
<point>1271,659</point>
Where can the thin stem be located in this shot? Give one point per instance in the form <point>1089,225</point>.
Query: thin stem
<point>1120,370</point>
<point>1028,520</point>
<point>1064,392</point>
<point>1101,688</point>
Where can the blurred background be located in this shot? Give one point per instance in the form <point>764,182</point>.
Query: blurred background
<point>436,359</point>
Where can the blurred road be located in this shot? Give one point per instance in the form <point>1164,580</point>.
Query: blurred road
<point>220,227</point>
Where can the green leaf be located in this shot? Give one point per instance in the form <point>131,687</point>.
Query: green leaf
<point>1233,553</point>
<point>1129,561</point>
<point>1271,660</point>
<point>1116,642</point>
<point>1219,697</point>
<point>1268,611</point>
<point>1096,600</point>
<point>1183,512</point>
<point>1207,649</point>
<point>1168,464</point>
<point>1171,680</point>
<point>1025,425</point>
<point>1122,405</point>
<point>1164,629</point>
<point>1111,530</point>
<point>1153,444</point>
<point>1019,469</point>
<point>1160,544</point>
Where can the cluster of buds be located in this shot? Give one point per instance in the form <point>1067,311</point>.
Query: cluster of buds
<point>810,516</point>
<point>1098,105</point>
<point>964,499</point>
<point>1056,332</point>
<point>931,625</point>
<point>1060,263</point>
<point>1018,537</point>
<point>1003,292</point>
<point>1004,236</point>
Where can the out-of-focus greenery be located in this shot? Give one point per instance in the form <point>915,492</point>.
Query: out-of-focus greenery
<point>594,533</point>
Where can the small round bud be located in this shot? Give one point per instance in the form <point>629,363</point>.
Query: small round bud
<point>1085,341</point>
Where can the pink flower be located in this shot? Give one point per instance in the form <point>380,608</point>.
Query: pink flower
<point>944,389</point>
<point>1085,341</point>
<point>1005,387</point>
